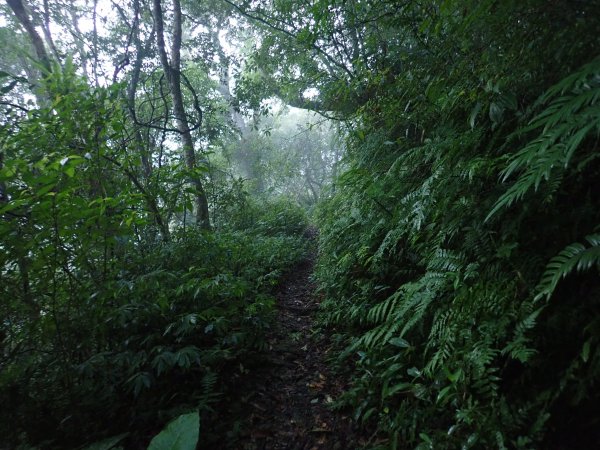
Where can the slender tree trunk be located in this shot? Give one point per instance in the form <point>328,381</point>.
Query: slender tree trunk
<point>3,194</point>
<point>313,191</point>
<point>78,38</point>
<point>18,9</point>
<point>46,30</point>
<point>95,42</point>
<point>140,53</point>
<point>173,75</point>
<point>138,142</point>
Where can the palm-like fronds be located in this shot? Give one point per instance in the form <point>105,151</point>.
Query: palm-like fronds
<point>576,256</point>
<point>572,114</point>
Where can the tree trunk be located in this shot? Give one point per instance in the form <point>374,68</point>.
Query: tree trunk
<point>20,11</point>
<point>173,75</point>
<point>142,148</point>
<point>38,44</point>
<point>140,53</point>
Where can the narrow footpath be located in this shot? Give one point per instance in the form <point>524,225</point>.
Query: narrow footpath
<point>293,390</point>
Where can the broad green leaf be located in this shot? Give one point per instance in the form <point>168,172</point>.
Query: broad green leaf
<point>414,372</point>
<point>400,387</point>
<point>106,444</point>
<point>180,434</point>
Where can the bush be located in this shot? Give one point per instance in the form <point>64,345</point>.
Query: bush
<point>167,331</point>
<point>276,217</point>
<point>460,264</point>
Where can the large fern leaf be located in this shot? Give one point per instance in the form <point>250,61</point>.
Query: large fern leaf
<point>574,257</point>
<point>572,114</point>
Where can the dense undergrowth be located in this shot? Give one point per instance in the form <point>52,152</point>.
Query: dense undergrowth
<point>460,252</point>
<point>108,324</point>
<point>166,332</point>
<point>459,245</point>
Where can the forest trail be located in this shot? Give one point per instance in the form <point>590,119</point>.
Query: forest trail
<point>291,392</point>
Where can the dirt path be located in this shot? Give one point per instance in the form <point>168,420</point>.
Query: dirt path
<point>289,404</point>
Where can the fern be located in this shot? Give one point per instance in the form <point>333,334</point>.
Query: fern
<point>209,393</point>
<point>381,313</point>
<point>446,261</point>
<point>574,257</point>
<point>519,347</point>
<point>572,114</point>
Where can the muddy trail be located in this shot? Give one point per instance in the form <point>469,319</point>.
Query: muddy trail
<point>287,397</point>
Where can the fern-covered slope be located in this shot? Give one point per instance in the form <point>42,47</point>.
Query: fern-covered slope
<point>459,254</point>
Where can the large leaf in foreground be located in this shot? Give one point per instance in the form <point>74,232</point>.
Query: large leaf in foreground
<point>181,434</point>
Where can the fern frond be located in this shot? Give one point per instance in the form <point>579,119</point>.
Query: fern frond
<point>381,312</point>
<point>446,261</point>
<point>574,257</point>
<point>402,310</point>
<point>565,123</point>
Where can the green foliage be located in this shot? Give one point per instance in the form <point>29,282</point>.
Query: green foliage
<point>276,217</point>
<point>281,216</point>
<point>111,321</point>
<point>189,312</point>
<point>180,434</point>
<point>470,173</point>
<point>571,114</point>
<point>458,247</point>
<point>574,256</point>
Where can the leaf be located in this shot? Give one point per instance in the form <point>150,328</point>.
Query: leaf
<point>454,377</point>
<point>12,205</point>
<point>9,87</point>
<point>563,126</point>
<point>574,257</point>
<point>399,342</point>
<point>106,444</point>
<point>45,189</point>
<point>181,434</point>
<point>444,394</point>
<point>496,112</point>
<point>585,351</point>
<point>474,113</point>
<point>400,387</point>
<point>425,438</point>
<point>140,381</point>
<point>414,372</point>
